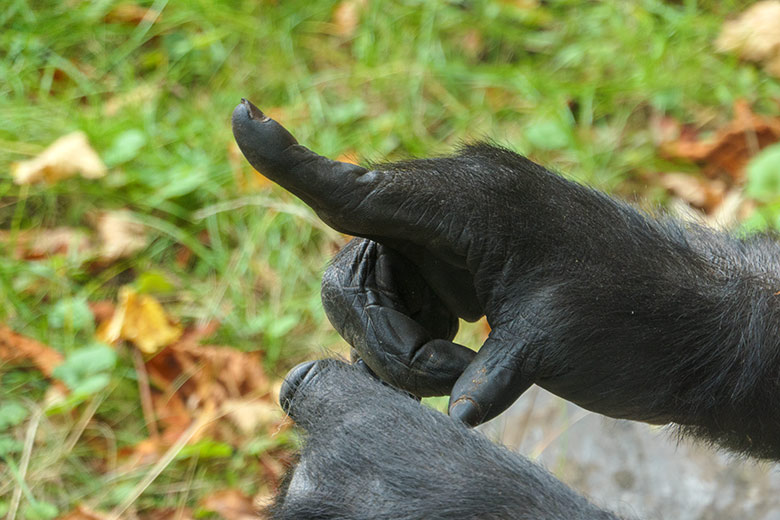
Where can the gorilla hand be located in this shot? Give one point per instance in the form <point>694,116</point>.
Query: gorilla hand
<point>373,453</point>
<point>623,314</point>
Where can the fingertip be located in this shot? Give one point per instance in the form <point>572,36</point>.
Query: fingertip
<point>261,139</point>
<point>253,112</point>
<point>497,376</point>
<point>293,381</point>
<point>272,150</point>
<point>465,410</point>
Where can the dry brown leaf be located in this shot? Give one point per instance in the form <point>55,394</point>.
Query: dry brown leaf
<point>65,157</point>
<point>231,504</point>
<point>733,146</point>
<point>132,14</point>
<point>35,244</point>
<point>169,407</point>
<point>140,319</point>
<point>192,376</point>
<point>217,373</point>
<point>120,234</point>
<point>15,348</point>
<point>252,415</point>
<point>84,513</point>
<point>190,380</point>
<point>174,416</point>
<point>755,35</point>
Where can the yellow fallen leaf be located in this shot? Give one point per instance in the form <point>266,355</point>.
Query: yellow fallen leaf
<point>140,319</point>
<point>65,157</point>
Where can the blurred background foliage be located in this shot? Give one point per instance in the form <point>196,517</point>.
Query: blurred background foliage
<point>578,86</point>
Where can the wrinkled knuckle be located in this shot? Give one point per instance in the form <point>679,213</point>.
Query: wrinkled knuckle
<point>332,283</point>
<point>348,267</point>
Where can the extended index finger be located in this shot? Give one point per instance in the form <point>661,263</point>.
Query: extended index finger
<point>326,185</point>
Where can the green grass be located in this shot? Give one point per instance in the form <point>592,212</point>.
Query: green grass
<point>572,84</point>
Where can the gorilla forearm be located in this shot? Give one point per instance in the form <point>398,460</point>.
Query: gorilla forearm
<point>729,376</point>
<point>714,314</point>
<point>373,453</point>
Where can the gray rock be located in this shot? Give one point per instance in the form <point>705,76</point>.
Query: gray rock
<point>637,470</point>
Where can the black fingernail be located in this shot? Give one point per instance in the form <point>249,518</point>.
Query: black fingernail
<point>466,411</point>
<point>254,112</point>
<point>292,382</point>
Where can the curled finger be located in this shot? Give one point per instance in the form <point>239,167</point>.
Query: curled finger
<point>378,302</point>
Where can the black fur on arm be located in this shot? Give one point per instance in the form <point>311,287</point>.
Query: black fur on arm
<point>729,369</point>
<point>372,452</point>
